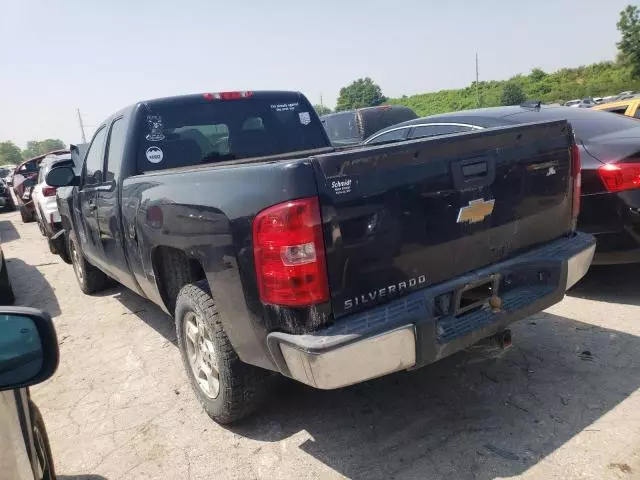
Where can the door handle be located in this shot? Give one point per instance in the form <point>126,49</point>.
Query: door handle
<point>92,206</point>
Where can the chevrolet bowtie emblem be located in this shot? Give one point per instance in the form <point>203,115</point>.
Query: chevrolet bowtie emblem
<point>476,211</point>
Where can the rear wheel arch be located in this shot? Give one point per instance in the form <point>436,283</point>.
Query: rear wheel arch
<point>173,269</point>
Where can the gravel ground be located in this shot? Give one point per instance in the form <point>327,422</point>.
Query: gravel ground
<point>564,402</point>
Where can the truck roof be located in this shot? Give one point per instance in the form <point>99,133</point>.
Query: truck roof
<point>198,97</point>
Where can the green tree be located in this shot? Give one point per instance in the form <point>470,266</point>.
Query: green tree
<point>40,147</point>
<point>512,94</point>
<point>629,44</point>
<point>537,75</point>
<point>9,154</point>
<point>321,109</point>
<point>361,93</point>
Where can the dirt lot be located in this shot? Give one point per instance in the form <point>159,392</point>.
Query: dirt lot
<point>564,402</point>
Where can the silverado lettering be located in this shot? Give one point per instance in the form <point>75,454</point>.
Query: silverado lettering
<point>389,290</point>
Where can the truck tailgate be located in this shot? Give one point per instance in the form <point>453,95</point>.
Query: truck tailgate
<point>403,216</point>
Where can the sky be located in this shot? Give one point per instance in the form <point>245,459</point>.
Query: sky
<point>99,56</point>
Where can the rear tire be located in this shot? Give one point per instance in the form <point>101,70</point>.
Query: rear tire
<point>90,279</point>
<point>40,227</point>
<point>41,444</point>
<point>52,249</point>
<point>27,216</point>
<point>40,219</point>
<point>227,388</point>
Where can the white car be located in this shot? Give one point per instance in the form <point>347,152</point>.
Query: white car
<point>44,197</point>
<point>584,103</point>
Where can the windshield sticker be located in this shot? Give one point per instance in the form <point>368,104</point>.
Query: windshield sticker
<point>284,107</point>
<point>155,127</point>
<point>154,154</point>
<point>305,118</point>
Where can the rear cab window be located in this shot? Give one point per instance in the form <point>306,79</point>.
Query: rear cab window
<point>194,130</point>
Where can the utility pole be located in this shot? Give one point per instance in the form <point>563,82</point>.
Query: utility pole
<point>477,82</point>
<point>84,139</point>
<point>321,104</point>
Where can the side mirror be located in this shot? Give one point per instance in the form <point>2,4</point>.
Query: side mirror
<point>28,347</point>
<point>61,177</point>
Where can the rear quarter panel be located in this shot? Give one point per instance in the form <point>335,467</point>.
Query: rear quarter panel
<point>207,212</point>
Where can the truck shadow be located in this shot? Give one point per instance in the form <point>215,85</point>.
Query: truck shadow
<point>465,417</point>
<point>146,311</point>
<point>8,232</point>
<point>31,287</point>
<point>610,283</point>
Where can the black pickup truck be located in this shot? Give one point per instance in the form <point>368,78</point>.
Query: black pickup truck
<point>276,253</point>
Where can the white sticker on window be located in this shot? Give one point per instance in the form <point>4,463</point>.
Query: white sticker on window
<point>305,118</point>
<point>284,107</point>
<point>155,128</point>
<point>154,154</point>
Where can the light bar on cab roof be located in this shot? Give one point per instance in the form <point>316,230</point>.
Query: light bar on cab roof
<point>227,95</point>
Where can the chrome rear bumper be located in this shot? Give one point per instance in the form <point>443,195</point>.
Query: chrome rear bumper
<point>578,265</point>
<point>408,333</point>
<point>372,357</point>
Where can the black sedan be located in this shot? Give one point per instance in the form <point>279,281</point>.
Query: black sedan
<point>610,155</point>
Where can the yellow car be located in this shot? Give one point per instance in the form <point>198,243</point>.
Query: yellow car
<point>628,107</point>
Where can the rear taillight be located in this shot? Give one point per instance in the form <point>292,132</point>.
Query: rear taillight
<point>620,176</point>
<point>289,254</point>
<point>577,179</point>
<point>49,191</point>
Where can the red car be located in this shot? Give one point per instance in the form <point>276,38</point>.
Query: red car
<point>24,179</point>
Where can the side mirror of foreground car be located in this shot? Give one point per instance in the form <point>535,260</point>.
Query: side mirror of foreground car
<point>61,177</point>
<point>28,347</point>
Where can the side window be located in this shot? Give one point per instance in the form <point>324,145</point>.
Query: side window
<point>95,159</point>
<point>637,114</point>
<point>435,130</point>
<point>399,134</point>
<point>115,150</point>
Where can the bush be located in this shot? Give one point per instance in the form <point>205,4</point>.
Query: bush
<point>597,80</point>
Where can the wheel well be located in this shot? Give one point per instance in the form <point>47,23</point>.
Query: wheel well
<point>174,269</point>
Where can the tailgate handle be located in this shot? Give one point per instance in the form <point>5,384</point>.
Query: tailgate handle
<point>474,172</point>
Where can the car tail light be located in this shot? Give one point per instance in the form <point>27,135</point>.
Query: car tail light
<point>620,176</point>
<point>289,254</point>
<point>227,95</point>
<point>577,179</point>
<point>49,191</point>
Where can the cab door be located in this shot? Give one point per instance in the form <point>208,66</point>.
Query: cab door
<point>91,180</point>
<point>113,249</point>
